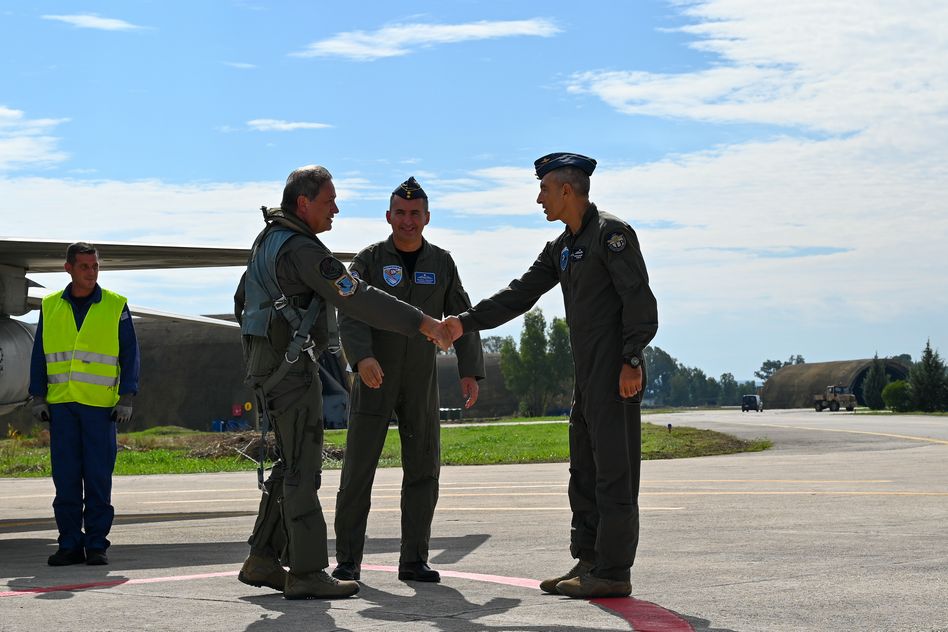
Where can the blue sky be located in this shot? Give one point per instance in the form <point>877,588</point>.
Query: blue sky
<point>783,165</point>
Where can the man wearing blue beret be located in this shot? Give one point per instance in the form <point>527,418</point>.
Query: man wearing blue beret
<point>612,316</point>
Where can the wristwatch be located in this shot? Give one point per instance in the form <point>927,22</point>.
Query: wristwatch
<point>633,361</point>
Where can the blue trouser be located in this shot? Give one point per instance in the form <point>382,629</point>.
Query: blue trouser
<point>82,447</point>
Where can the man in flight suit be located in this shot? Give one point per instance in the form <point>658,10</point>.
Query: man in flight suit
<point>83,375</point>
<point>400,374</point>
<point>612,316</point>
<point>283,302</point>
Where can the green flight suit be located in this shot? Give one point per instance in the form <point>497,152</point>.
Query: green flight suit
<point>611,314</point>
<point>409,389</point>
<point>290,523</point>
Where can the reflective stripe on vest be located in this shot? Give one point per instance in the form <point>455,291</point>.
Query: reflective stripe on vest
<point>82,365</point>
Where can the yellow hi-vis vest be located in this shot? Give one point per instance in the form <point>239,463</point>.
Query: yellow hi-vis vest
<point>82,366</point>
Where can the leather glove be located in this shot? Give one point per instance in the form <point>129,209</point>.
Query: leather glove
<point>40,408</point>
<point>123,409</point>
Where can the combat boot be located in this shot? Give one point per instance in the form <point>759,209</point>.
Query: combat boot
<point>262,570</point>
<point>581,568</point>
<point>589,586</point>
<point>318,585</point>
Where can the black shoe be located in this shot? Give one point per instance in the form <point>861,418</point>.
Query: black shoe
<point>347,571</point>
<point>96,557</point>
<point>66,557</point>
<point>417,571</point>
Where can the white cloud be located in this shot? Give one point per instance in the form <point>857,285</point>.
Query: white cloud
<point>27,142</point>
<point>833,66</point>
<point>276,125</point>
<point>867,86</point>
<point>89,21</point>
<point>402,39</point>
<point>239,65</point>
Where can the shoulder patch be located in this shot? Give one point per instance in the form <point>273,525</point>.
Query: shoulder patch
<point>616,241</point>
<point>346,285</point>
<point>331,268</point>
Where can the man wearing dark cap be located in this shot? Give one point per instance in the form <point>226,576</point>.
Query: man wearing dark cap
<point>399,375</point>
<point>283,303</point>
<point>612,316</point>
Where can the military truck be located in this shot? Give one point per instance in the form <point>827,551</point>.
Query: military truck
<point>835,397</point>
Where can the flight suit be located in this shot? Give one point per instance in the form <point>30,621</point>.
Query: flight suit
<point>611,314</point>
<point>290,523</point>
<point>409,389</point>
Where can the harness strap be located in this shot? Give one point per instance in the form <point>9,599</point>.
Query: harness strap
<point>300,343</point>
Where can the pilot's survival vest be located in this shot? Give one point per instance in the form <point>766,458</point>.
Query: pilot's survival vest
<point>82,365</point>
<point>265,300</point>
<point>263,294</point>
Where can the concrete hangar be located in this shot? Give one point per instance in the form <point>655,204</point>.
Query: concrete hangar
<point>795,385</point>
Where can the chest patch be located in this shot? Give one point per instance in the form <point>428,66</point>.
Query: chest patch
<point>616,242</point>
<point>578,254</point>
<point>392,275</point>
<point>425,278</point>
<point>564,257</point>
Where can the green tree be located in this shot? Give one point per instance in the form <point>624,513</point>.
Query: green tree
<point>928,381</point>
<point>492,344</point>
<point>730,390</point>
<point>679,390</point>
<point>659,369</point>
<point>897,395</point>
<point>540,371</point>
<point>875,381</point>
<point>560,359</point>
<point>747,388</point>
<point>769,367</point>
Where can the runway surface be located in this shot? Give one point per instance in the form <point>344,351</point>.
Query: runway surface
<point>841,526</point>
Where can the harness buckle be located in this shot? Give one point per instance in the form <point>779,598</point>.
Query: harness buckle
<point>281,302</point>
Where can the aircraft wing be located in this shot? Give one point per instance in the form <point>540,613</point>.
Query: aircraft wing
<point>40,255</point>
<point>35,299</point>
<point>19,257</point>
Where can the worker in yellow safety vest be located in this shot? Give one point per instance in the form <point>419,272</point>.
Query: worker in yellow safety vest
<point>83,375</point>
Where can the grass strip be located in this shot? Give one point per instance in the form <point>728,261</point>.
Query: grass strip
<point>166,450</point>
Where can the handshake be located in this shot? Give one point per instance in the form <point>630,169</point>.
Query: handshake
<point>442,333</point>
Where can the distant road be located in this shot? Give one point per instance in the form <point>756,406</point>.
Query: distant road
<point>801,428</point>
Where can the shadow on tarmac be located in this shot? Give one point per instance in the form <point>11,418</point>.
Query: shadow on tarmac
<point>453,612</point>
<point>30,553</point>
<point>48,522</point>
<point>701,625</point>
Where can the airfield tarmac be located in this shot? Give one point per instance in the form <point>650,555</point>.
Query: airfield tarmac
<point>842,525</point>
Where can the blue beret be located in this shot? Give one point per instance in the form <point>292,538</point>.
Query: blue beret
<point>410,190</point>
<point>548,163</point>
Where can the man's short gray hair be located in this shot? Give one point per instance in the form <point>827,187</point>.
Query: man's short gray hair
<point>575,177</point>
<point>303,181</point>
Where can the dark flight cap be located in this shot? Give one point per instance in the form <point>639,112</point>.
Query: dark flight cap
<point>410,190</point>
<point>548,163</point>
